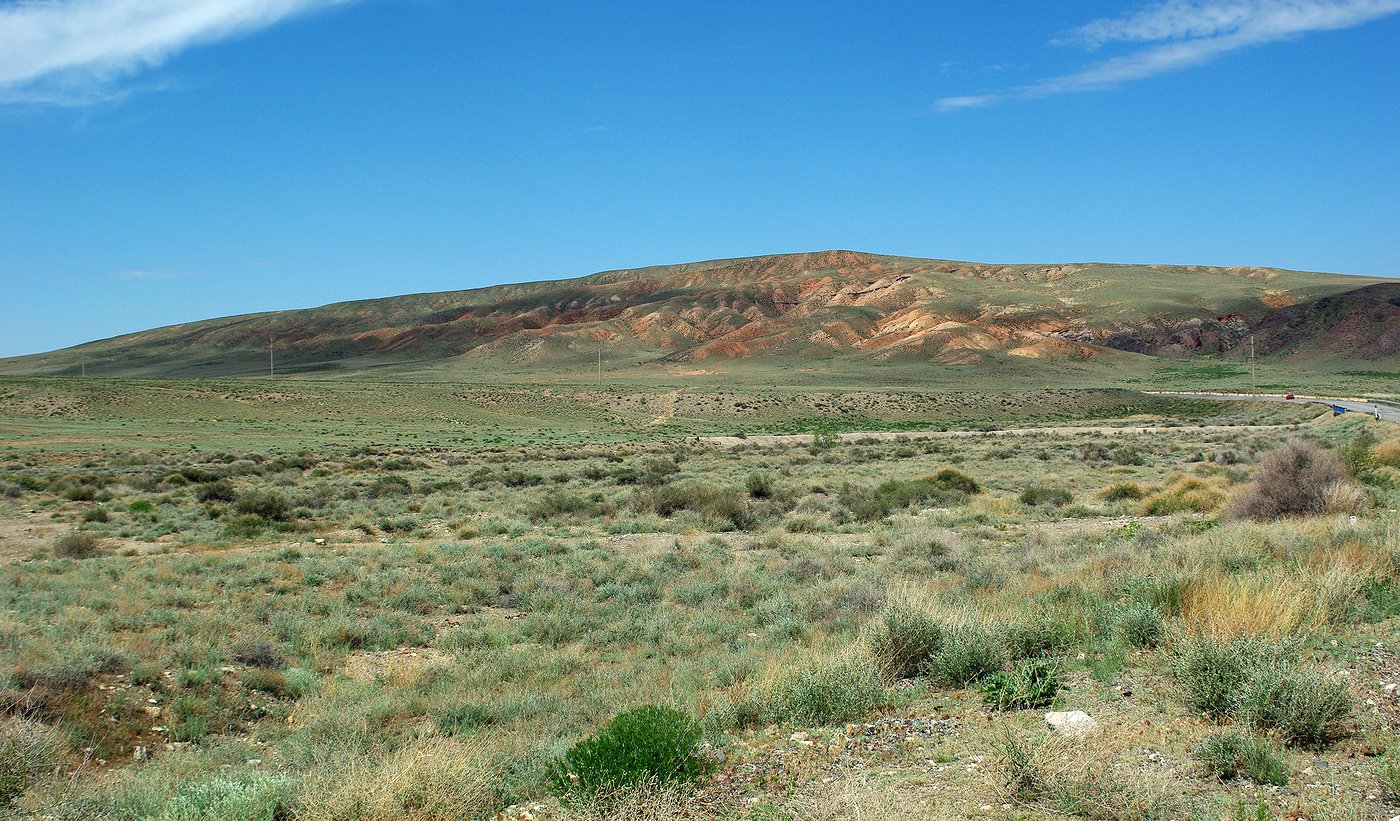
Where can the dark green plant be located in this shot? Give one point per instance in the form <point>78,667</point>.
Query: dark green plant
<point>954,479</point>
<point>1356,455</point>
<point>646,745</point>
<point>1028,684</point>
<point>1230,754</point>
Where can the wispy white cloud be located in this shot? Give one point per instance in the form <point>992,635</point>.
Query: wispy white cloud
<point>1183,34</point>
<point>154,276</point>
<point>82,51</point>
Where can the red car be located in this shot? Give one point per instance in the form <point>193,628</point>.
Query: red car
<point>1290,396</point>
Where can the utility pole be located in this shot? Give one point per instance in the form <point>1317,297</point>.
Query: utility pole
<point>83,367</point>
<point>270,371</point>
<point>1253,373</point>
<point>600,367</point>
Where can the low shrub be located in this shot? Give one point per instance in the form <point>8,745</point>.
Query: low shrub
<point>1030,683</point>
<point>969,653</point>
<point>258,654</point>
<point>1119,491</point>
<point>1291,480</point>
<point>391,485</point>
<point>905,640</point>
<point>948,486</point>
<point>1037,495</point>
<point>759,485</point>
<point>77,546</point>
<point>246,526</point>
<point>955,480</point>
<point>1230,754</point>
<point>463,717</point>
<point>1140,625</point>
<point>827,692</point>
<point>1300,705</point>
<point>28,751</point>
<point>708,500</point>
<point>1262,682</point>
<point>219,490</point>
<point>1212,672</point>
<point>554,504</point>
<point>265,504</point>
<point>646,745</point>
<point>1039,635</point>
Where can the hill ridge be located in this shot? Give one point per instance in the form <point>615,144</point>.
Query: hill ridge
<point>806,307</point>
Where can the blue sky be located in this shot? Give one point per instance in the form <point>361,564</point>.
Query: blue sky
<point>164,161</point>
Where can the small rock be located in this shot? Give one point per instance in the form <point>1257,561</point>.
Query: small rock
<point>141,753</point>
<point>1074,724</point>
<point>253,762</point>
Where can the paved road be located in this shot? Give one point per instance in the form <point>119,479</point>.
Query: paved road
<point>887,435</point>
<point>1389,413</point>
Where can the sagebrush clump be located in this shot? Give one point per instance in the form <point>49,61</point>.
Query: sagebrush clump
<point>1230,754</point>
<point>1291,480</point>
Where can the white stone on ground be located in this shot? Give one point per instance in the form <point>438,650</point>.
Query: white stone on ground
<point>1073,724</point>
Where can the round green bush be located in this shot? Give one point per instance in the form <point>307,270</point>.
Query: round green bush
<point>649,744</point>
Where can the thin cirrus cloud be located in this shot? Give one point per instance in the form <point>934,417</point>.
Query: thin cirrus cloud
<point>158,276</point>
<point>82,51</point>
<point>1178,34</point>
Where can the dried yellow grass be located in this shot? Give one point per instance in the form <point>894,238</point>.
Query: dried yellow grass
<point>1344,497</point>
<point>1186,494</point>
<point>430,779</point>
<point>1387,453</point>
<point>1273,604</point>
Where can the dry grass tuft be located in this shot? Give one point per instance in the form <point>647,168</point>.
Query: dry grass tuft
<point>1186,494</point>
<point>1273,604</point>
<point>1344,497</point>
<point>430,779</point>
<point>859,798</point>
<point>1387,453</point>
